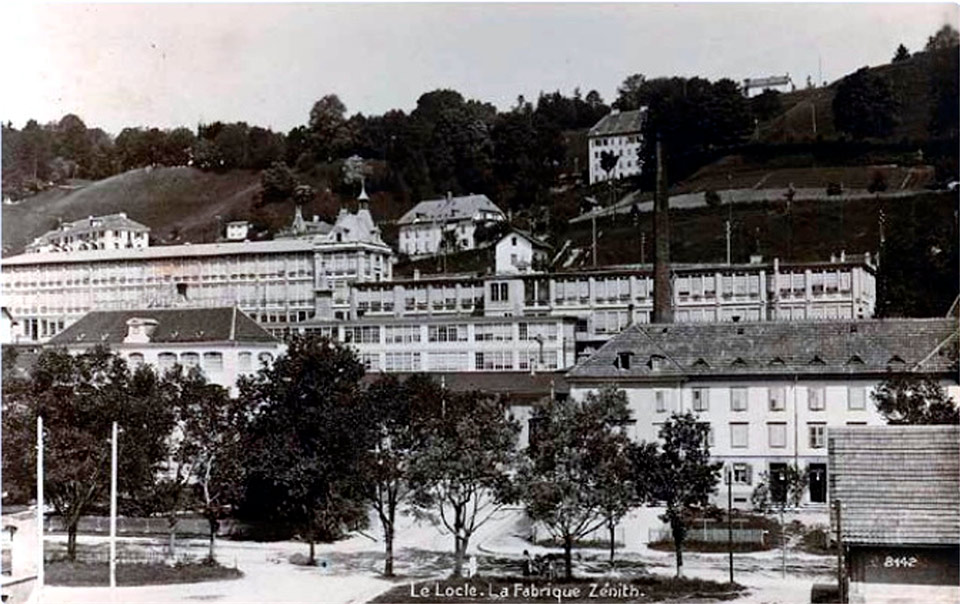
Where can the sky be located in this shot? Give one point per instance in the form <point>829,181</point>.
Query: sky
<point>167,65</point>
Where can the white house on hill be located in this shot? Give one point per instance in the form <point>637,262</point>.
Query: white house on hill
<point>423,227</point>
<point>110,232</point>
<point>621,133</point>
<point>518,251</point>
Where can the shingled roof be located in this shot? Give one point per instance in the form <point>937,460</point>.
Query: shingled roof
<point>520,387</point>
<point>173,326</point>
<point>661,352</point>
<point>624,122</point>
<point>899,485</point>
<point>445,210</point>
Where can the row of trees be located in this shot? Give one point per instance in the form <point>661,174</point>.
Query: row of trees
<point>304,444</point>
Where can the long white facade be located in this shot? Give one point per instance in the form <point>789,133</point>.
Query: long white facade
<point>770,393</point>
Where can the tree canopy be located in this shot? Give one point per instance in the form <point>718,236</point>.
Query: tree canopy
<point>864,105</point>
<point>910,398</point>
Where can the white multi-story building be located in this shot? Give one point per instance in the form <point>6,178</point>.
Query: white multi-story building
<point>110,232</point>
<point>237,230</point>
<point>223,342</point>
<point>276,282</point>
<point>619,132</point>
<point>439,344</point>
<point>422,229</point>
<point>770,392</point>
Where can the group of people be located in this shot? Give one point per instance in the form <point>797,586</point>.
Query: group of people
<point>540,566</point>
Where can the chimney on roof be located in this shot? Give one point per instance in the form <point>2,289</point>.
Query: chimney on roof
<point>139,330</point>
<point>449,196</point>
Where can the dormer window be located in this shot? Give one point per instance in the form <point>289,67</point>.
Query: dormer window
<point>701,364</point>
<point>622,361</point>
<point>855,360</point>
<point>657,362</point>
<point>896,360</point>
<point>816,360</point>
<point>738,362</point>
<point>776,361</point>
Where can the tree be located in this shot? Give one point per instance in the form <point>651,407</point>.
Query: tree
<point>399,411</point>
<point>209,447</point>
<point>630,94</point>
<point>777,492</point>
<point>608,162</point>
<point>306,438</point>
<point>864,105</point>
<point>767,105</point>
<point>902,54</point>
<point>911,398</point>
<point>79,396</point>
<point>578,477</point>
<point>680,474</point>
<point>328,127</point>
<point>462,474</point>
<point>278,182</point>
<point>946,37</point>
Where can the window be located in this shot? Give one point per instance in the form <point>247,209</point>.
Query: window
<point>265,358</point>
<point>493,332</point>
<point>136,359</point>
<point>402,361</point>
<point>710,436</point>
<point>402,334</point>
<point>738,399</point>
<point>494,361</point>
<point>166,360</point>
<point>777,435</point>
<point>738,436</point>
<point>817,435</point>
<point>742,473</point>
<point>856,398</point>
<point>190,359</point>
<point>371,361</point>
<point>815,398</point>
<point>447,333</point>
<point>369,334</point>
<point>777,396</point>
<point>701,400</point>
<point>245,361</point>
<point>661,399</point>
<point>449,361</point>
<point>213,361</point>
<point>499,292</point>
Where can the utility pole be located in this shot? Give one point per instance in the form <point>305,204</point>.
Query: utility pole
<point>113,508</point>
<point>840,585</point>
<point>728,240</point>
<point>593,221</point>
<point>643,247</point>
<point>730,517</point>
<point>40,577</point>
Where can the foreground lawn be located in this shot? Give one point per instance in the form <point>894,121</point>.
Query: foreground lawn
<point>93,574</point>
<point>517,589</point>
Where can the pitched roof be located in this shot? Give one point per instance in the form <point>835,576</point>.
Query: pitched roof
<point>354,228</point>
<point>176,325</point>
<point>163,251</point>
<point>712,350</point>
<point>529,237</point>
<point>111,222</point>
<point>444,210</point>
<point>624,122</point>
<point>897,484</point>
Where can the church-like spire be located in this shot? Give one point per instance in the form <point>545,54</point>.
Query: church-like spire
<point>363,200</point>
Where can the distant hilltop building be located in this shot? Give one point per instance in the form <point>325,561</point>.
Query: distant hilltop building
<point>422,228</point>
<point>622,133</point>
<point>110,232</point>
<point>237,230</point>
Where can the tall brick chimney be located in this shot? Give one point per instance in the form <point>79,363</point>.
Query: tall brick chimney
<point>662,285</point>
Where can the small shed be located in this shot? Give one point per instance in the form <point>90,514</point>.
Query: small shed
<point>899,490</point>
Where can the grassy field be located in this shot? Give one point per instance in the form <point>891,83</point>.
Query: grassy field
<point>75,574</point>
<point>518,589</point>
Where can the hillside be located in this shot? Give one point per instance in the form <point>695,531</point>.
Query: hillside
<point>909,81</point>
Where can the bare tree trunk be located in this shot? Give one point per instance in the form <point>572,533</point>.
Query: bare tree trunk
<point>173,541</point>
<point>214,527</point>
<point>72,540</point>
<point>677,529</point>
<point>613,544</point>
<point>458,552</point>
<point>388,539</point>
<point>568,556</point>
<point>313,557</point>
